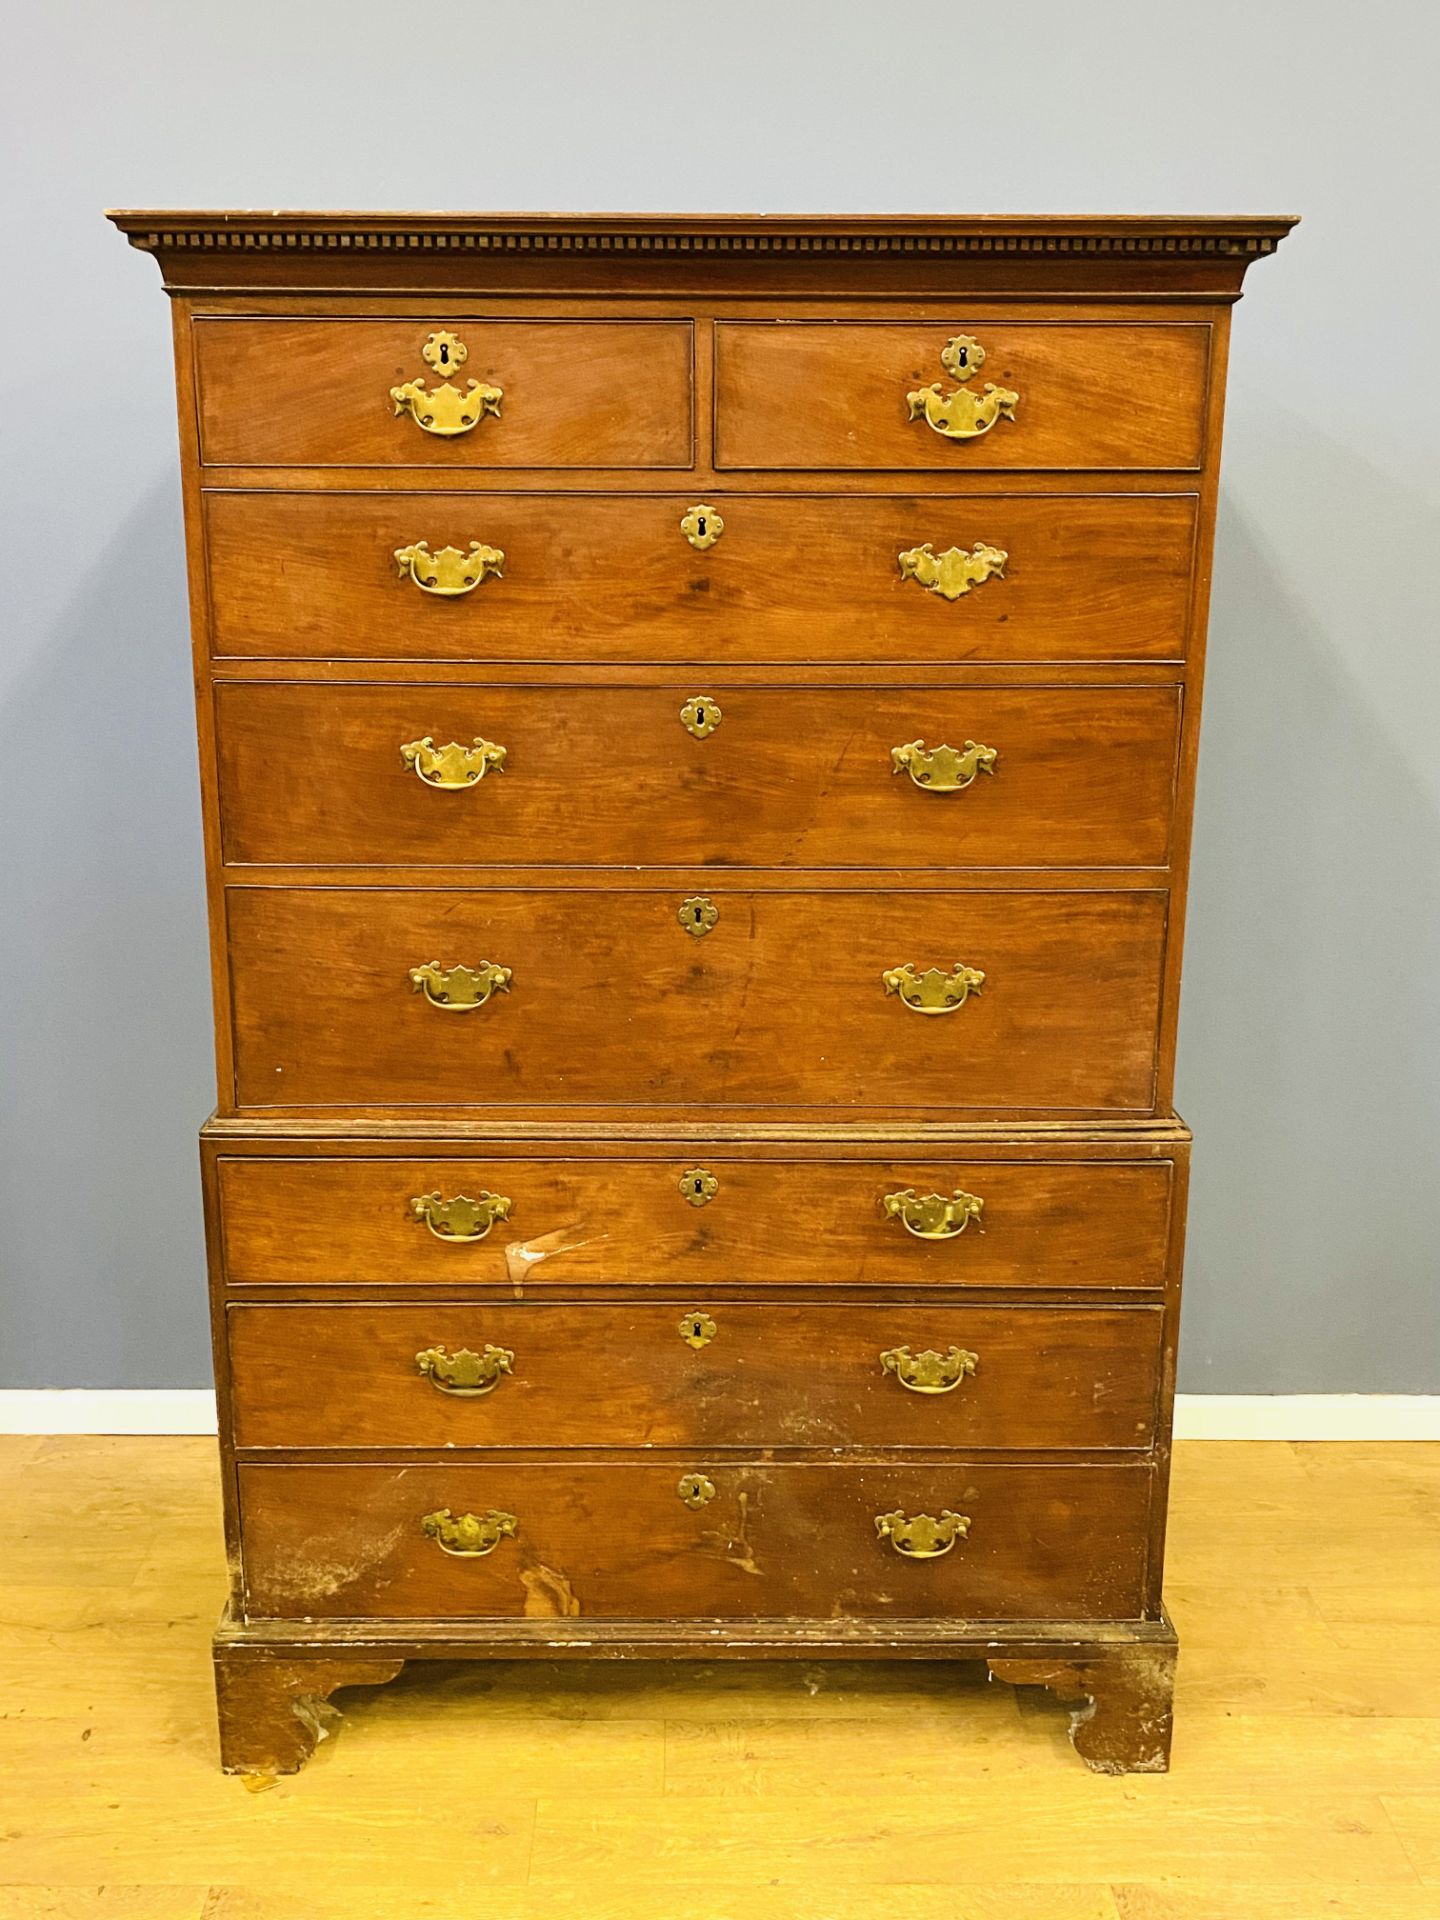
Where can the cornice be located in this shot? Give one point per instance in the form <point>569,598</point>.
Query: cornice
<point>1241,236</point>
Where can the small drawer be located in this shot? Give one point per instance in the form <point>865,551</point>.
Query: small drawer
<point>960,397</point>
<point>458,393</point>
<point>607,578</point>
<point>695,1539</point>
<point>698,773</point>
<point>498,1373</point>
<point>703,1221</point>
<point>905,1000</point>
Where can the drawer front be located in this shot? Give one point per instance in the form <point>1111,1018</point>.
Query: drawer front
<point>696,774</point>
<point>325,393</point>
<point>617,1542</point>
<point>1099,1225</point>
<point>1085,397</point>
<point>609,998</point>
<point>591,577</point>
<point>502,1374</point>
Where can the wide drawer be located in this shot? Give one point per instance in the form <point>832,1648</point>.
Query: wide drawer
<point>793,998</point>
<point>497,1373</point>
<point>705,1221</point>
<point>696,775</point>
<point>878,394</point>
<point>348,1541</point>
<point>597,577</point>
<point>325,393</point>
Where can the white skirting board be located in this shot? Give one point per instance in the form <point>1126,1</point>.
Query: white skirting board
<point>1198,1416</point>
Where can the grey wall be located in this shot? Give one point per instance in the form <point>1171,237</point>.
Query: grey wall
<point>1311,1036</point>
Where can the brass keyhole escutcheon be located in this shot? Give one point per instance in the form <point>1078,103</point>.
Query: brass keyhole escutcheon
<point>443,353</point>
<point>963,356</point>
<point>697,915</point>
<point>699,1186</point>
<point>695,1490</point>
<point>700,716</point>
<point>697,1329</point>
<point>702,527</point>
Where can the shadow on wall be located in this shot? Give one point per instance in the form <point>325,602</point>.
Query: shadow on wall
<point>1310,1037</point>
<point>106,982</point>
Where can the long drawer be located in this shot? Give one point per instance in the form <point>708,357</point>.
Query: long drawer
<point>883,395</point>
<point>544,393</point>
<point>707,1221</point>
<point>497,1373</point>
<point>403,997</point>
<point>350,1541</point>
<point>605,577</point>
<point>696,775</point>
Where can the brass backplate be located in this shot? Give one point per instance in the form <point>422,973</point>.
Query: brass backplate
<point>922,1537</point>
<point>459,989</point>
<point>460,1220</point>
<point>933,991</point>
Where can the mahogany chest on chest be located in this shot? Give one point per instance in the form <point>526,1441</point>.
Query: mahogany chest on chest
<point>698,722</point>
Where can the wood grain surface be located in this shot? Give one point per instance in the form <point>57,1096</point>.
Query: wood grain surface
<point>609,577</point>
<point>1058,1223</point>
<point>616,1542</point>
<point>622,1376</point>
<point>794,776</point>
<point>612,1000</point>
<point>280,392</point>
<point>833,395</point>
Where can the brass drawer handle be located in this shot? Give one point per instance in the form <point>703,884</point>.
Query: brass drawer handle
<point>465,1373</point>
<point>940,769</point>
<point>468,1536</point>
<point>963,414</point>
<point>933,991</point>
<point>461,1220</point>
<point>453,768</point>
<point>459,989</point>
<point>923,1538</point>
<point>446,411</point>
<point>929,1372</point>
<point>933,1216</point>
<point>950,574</point>
<point>450,572</point>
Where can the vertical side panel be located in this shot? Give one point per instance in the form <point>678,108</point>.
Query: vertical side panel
<point>204,710</point>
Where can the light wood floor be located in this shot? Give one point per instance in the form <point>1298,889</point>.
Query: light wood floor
<point>1306,1782</point>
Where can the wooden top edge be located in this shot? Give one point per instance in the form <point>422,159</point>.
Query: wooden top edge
<point>253,230</point>
<point>1163,1128</point>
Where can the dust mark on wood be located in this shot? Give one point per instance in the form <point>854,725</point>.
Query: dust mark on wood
<point>735,1549</point>
<point>548,1594</point>
<point>522,1255</point>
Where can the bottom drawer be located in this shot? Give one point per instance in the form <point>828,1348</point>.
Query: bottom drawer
<point>620,1541</point>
